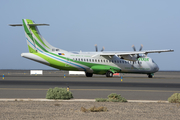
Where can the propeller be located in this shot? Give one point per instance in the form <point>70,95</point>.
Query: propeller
<point>97,48</point>
<point>141,47</point>
<point>139,50</point>
<point>134,48</point>
<point>103,49</point>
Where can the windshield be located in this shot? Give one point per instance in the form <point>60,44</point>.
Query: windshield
<point>153,61</point>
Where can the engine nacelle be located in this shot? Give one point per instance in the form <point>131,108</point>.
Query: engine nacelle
<point>129,57</point>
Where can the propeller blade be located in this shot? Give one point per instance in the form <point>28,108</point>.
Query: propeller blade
<point>96,47</point>
<point>102,49</point>
<point>133,47</point>
<point>141,47</point>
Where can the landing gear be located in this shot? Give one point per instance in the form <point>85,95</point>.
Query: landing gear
<point>109,74</point>
<point>150,75</point>
<point>89,74</point>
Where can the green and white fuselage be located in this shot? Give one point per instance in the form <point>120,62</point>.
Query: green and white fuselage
<point>90,62</point>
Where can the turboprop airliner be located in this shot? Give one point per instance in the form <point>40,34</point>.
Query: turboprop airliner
<point>104,63</point>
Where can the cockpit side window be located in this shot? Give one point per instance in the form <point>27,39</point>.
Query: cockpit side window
<point>153,61</point>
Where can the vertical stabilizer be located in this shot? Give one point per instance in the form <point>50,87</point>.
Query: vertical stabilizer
<point>35,42</point>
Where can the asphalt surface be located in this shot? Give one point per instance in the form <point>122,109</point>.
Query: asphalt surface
<point>20,84</point>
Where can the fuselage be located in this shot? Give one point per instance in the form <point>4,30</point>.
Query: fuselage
<point>92,62</point>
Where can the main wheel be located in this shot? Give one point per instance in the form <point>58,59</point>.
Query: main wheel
<point>109,74</point>
<point>89,74</point>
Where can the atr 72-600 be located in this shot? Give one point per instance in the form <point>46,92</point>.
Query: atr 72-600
<point>104,63</point>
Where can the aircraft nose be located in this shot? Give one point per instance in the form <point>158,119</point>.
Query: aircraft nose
<point>156,68</point>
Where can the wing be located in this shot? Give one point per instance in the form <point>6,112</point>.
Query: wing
<point>135,52</point>
<point>131,56</point>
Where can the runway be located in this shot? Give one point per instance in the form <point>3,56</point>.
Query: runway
<point>19,84</point>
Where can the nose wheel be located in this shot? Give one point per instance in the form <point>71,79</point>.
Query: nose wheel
<point>150,75</point>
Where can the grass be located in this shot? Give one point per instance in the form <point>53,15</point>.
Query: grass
<point>175,98</point>
<point>113,97</point>
<point>58,93</point>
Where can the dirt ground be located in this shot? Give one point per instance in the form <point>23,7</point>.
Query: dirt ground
<point>19,110</point>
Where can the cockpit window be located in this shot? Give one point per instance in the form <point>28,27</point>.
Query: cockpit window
<point>153,61</point>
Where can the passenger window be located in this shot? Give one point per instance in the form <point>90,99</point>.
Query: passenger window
<point>92,60</point>
<point>89,60</point>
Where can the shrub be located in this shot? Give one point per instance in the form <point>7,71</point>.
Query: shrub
<point>58,93</point>
<point>101,99</point>
<point>113,97</point>
<point>94,109</point>
<point>175,98</point>
<point>98,109</point>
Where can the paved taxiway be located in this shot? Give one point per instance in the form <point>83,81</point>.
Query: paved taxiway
<point>19,84</point>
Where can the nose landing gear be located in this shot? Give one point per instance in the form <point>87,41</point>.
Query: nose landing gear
<point>150,75</point>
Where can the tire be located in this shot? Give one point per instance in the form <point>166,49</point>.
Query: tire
<point>89,74</point>
<point>109,74</point>
<point>149,76</point>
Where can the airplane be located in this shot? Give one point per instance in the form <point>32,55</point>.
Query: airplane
<point>103,63</point>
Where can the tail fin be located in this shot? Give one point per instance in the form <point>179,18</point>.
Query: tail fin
<point>35,42</point>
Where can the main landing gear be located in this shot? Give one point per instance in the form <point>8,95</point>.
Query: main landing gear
<point>109,74</point>
<point>89,74</point>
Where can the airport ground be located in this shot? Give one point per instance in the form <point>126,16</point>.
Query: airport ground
<point>20,84</point>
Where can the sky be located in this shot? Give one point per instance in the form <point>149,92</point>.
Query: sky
<point>80,24</point>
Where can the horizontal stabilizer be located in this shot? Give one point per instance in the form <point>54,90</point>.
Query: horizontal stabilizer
<point>14,25</point>
<point>38,24</point>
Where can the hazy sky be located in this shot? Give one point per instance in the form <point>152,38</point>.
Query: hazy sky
<point>80,24</point>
